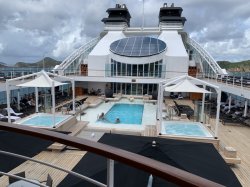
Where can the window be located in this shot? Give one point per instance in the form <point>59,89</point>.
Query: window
<point>153,69</point>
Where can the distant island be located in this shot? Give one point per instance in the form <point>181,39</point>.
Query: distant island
<point>243,66</point>
<point>2,64</point>
<point>47,62</point>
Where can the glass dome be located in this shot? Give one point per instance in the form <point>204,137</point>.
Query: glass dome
<point>139,46</point>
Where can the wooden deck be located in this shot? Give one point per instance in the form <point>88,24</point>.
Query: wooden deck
<point>238,137</point>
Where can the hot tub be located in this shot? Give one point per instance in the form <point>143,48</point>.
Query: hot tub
<point>43,120</point>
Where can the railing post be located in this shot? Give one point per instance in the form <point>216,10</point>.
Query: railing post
<point>110,173</point>
<point>241,80</point>
<point>233,81</point>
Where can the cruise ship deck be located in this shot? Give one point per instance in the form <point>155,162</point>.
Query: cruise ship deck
<point>132,66</point>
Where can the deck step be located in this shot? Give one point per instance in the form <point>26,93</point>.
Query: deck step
<point>232,161</point>
<point>74,129</point>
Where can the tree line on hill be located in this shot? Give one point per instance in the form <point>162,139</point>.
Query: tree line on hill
<point>243,66</point>
<point>47,62</point>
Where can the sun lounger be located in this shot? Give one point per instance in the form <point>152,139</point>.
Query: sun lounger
<point>5,118</point>
<point>13,112</point>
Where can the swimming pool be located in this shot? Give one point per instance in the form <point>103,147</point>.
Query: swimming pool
<point>127,114</point>
<point>43,120</point>
<point>185,129</point>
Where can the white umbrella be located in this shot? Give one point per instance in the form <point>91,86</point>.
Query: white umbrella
<point>185,86</point>
<point>41,81</point>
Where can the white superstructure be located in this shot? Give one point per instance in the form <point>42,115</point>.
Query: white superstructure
<point>132,60</point>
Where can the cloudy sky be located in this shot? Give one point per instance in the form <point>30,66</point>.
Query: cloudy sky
<point>32,29</point>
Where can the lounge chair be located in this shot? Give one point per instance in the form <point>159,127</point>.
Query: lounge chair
<point>49,181</point>
<point>5,118</point>
<point>13,112</point>
<point>12,180</point>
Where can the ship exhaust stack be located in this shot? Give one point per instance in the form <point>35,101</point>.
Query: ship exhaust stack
<point>170,17</point>
<point>118,19</point>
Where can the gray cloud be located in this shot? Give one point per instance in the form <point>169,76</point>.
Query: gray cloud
<point>30,29</point>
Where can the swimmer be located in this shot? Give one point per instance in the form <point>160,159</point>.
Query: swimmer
<point>101,117</point>
<point>117,120</point>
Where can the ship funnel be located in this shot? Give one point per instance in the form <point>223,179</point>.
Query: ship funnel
<point>118,19</point>
<point>170,16</point>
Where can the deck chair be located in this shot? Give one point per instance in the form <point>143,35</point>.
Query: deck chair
<point>49,181</point>
<point>20,174</point>
<point>13,112</point>
<point>5,118</point>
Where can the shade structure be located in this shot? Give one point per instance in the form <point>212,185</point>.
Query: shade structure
<point>42,81</point>
<point>201,159</point>
<point>185,86</point>
<point>182,84</point>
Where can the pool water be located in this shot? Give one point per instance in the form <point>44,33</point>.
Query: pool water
<point>127,114</point>
<point>185,129</point>
<point>43,121</point>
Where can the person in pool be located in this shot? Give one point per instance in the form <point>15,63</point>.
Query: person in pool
<point>101,117</point>
<point>117,120</point>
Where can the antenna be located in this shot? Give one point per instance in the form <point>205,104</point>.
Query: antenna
<point>43,60</point>
<point>118,2</point>
<point>142,13</point>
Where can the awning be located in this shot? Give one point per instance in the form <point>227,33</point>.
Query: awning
<point>42,81</point>
<point>185,86</point>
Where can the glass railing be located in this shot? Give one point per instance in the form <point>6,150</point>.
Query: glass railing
<point>12,72</point>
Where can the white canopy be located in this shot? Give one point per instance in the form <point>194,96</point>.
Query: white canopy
<point>41,81</point>
<point>185,86</point>
<point>186,83</point>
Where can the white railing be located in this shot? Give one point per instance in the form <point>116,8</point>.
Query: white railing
<point>205,55</point>
<point>77,53</point>
<point>229,80</point>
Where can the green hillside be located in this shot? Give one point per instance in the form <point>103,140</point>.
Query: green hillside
<point>2,65</point>
<point>243,66</point>
<point>47,62</point>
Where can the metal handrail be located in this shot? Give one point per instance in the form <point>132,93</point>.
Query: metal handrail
<point>77,53</point>
<point>22,178</point>
<point>55,167</point>
<point>229,80</point>
<point>210,60</point>
<point>167,172</point>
